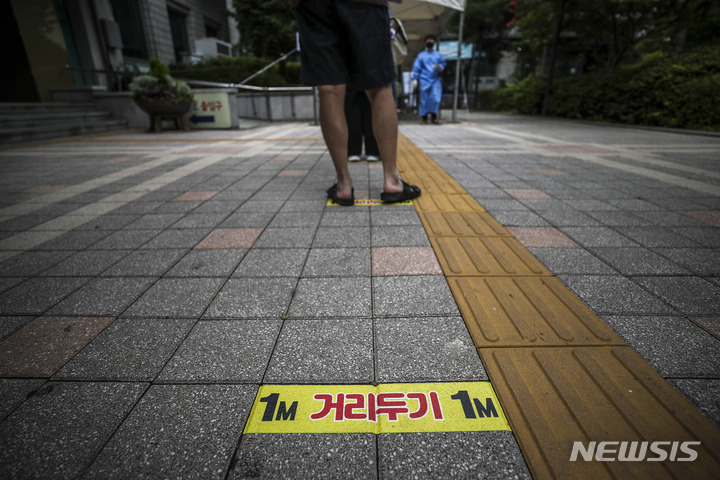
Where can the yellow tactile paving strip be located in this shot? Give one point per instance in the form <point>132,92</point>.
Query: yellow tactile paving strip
<point>561,374</point>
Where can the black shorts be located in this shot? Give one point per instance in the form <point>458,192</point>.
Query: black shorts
<point>345,42</point>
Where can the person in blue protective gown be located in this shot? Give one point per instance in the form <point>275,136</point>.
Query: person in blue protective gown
<point>427,68</point>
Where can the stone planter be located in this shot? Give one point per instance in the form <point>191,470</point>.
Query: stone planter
<point>158,109</point>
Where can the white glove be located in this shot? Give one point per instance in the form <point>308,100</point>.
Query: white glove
<point>437,67</point>
<point>415,84</point>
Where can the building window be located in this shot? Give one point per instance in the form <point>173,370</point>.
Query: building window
<point>178,30</point>
<point>127,15</point>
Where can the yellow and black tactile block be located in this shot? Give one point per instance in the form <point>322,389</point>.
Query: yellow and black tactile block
<point>525,311</point>
<point>493,256</point>
<point>555,397</point>
<point>564,378</point>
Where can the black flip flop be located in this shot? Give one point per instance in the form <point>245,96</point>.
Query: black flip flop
<point>408,193</point>
<point>345,202</point>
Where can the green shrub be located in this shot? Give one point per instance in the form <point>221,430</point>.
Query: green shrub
<point>159,85</point>
<point>662,90</point>
<point>237,69</point>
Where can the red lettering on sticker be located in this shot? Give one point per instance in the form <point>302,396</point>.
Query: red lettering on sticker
<point>422,405</point>
<point>359,404</point>
<point>392,408</point>
<point>329,406</point>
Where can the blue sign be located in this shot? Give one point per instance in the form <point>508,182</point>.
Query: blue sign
<point>450,50</point>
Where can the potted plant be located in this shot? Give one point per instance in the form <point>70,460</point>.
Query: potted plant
<point>161,96</point>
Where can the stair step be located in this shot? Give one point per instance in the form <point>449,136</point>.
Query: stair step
<point>32,122</point>
<point>29,120</point>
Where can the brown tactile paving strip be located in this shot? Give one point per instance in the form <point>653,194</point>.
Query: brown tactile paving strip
<point>561,374</point>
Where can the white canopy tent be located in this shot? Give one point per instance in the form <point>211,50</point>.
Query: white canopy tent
<point>421,17</point>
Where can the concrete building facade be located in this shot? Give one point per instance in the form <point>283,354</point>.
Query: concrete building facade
<point>52,44</point>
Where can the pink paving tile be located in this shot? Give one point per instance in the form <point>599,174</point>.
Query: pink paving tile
<point>41,189</point>
<point>542,237</point>
<point>229,238</point>
<point>549,171</point>
<point>392,261</point>
<point>43,346</point>
<point>293,173</point>
<point>711,217</point>
<point>711,324</point>
<point>195,196</point>
<point>527,194</point>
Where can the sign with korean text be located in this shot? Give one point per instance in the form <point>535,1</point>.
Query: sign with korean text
<point>388,408</point>
<point>210,110</point>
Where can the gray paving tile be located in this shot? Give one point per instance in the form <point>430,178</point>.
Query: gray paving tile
<point>158,221</point>
<point>689,295</point>
<point>60,429</point>
<point>272,262</point>
<point>36,295</point>
<point>706,236</point>
<point>248,220</point>
<point>235,351</point>
<point>700,261</point>
<point>13,392</point>
<point>200,220</point>
<point>399,236</point>
<point>432,349</point>
<point>338,262</point>
<point>145,263</point>
<point>323,351</point>
<point>286,238</point>
<point>176,298</point>
<point>103,297</point>
<point>597,237</point>
<point>177,431</point>
<point>619,218</point>
<point>670,219</point>
<point>634,261</point>
<point>296,219</point>
<point>306,456</point>
<point>331,297</point>
<point>703,393</point>
<point>75,240</point>
<point>113,221</point>
<point>342,237</point>
<point>207,263</point>
<point>177,238</point>
<point>571,260</point>
<point>244,298</point>
<point>481,455</point>
<point>127,350</point>
<point>657,237</point>
<point>31,263</point>
<point>512,218</point>
<point>615,295</point>
<point>674,346</point>
<point>88,263</point>
<point>386,217</point>
<point>356,217</point>
<point>124,239</point>
<point>568,218</point>
<point>412,296</point>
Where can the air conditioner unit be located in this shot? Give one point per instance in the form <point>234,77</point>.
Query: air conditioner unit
<point>212,47</point>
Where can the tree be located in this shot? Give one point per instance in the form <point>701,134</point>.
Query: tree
<point>266,27</point>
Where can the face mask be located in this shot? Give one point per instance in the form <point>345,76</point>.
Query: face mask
<point>430,45</point>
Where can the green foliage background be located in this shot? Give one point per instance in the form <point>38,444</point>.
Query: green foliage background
<point>681,90</point>
<point>237,69</point>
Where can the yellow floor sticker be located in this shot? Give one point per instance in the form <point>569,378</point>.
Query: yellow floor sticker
<point>371,202</point>
<point>387,408</point>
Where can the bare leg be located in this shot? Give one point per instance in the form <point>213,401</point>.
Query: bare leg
<point>385,127</point>
<point>335,133</point>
